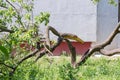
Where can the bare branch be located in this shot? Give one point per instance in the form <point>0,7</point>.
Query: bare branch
<point>100,46</point>
<point>23,59</point>
<point>45,46</point>
<point>54,31</point>
<point>3,6</point>
<point>1,63</point>
<point>57,44</point>
<point>41,53</point>
<point>28,56</point>
<point>2,29</point>
<point>73,53</point>
<point>18,14</point>
<point>110,52</point>
<point>72,37</point>
<point>50,49</point>
<point>12,6</point>
<point>6,30</point>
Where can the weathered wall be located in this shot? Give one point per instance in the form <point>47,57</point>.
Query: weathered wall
<point>82,18</point>
<point>72,16</point>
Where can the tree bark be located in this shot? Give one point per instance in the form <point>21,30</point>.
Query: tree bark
<point>73,53</point>
<point>100,47</point>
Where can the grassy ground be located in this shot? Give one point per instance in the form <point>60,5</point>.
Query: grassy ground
<point>59,68</point>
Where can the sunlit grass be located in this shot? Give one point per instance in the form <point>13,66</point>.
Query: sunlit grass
<point>58,68</point>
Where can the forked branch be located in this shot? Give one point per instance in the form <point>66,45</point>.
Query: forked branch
<point>100,47</point>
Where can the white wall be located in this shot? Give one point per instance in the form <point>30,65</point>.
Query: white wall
<point>107,19</point>
<point>71,16</point>
<point>81,17</point>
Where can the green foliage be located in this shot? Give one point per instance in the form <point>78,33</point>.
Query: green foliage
<point>60,69</point>
<point>17,16</point>
<point>42,17</point>
<point>67,72</point>
<point>112,2</point>
<point>95,1</point>
<point>4,51</point>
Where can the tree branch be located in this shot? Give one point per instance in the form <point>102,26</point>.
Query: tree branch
<point>28,56</point>
<point>61,37</point>
<point>2,29</point>
<point>110,52</point>
<point>54,31</point>
<point>73,53</point>
<point>23,59</point>
<point>12,6</point>
<point>3,6</point>
<point>1,63</point>
<point>18,14</point>
<point>100,46</point>
<point>43,52</point>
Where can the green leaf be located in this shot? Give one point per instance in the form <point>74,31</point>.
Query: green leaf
<point>112,2</point>
<point>13,0</point>
<point>27,16</point>
<point>5,51</point>
<point>95,1</point>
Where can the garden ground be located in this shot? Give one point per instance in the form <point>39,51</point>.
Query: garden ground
<point>58,68</point>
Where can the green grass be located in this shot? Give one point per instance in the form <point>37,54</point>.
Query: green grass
<point>46,68</point>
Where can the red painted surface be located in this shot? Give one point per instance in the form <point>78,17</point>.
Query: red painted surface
<point>80,48</point>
